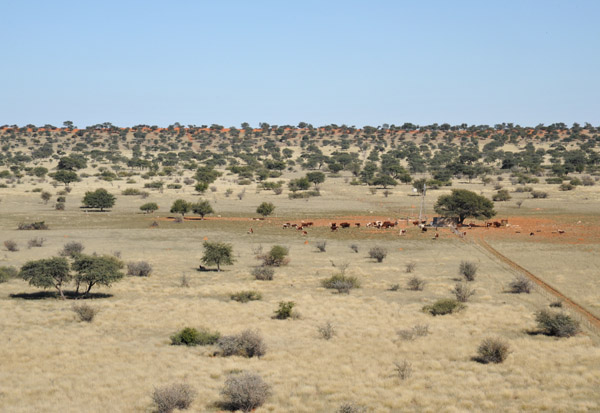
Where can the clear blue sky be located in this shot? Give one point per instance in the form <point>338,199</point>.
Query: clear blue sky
<point>282,62</point>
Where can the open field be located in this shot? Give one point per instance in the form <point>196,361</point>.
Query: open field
<point>52,362</point>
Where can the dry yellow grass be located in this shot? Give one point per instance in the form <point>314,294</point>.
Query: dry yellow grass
<point>52,363</point>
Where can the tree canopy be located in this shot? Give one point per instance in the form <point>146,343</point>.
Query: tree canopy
<point>180,206</point>
<point>100,198</point>
<point>217,253</point>
<point>91,270</point>
<point>462,204</point>
<point>265,209</point>
<point>202,208</point>
<point>66,177</point>
<point>47,273</point>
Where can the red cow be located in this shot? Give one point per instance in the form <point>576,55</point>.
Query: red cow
<point>345,225</point>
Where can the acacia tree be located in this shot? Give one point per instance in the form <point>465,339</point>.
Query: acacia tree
<point>96,270</point>
<point>47,273</point>
<point>100,198</point>
<point>462,204</point>
<point>66,177</point>
<point>202,208</point>
<point>316,177</point>
<point>217,253</point>
<point>180,206</point>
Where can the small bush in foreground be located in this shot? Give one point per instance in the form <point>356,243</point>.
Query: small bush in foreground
<point>403,369</point>
<point>248,343</point>
<point>378,253</point>
<point>192,337</point>
<point>263,273</point>
<point>410,266</point>
<point>350,408</point>
<point>419,330</point>
<point>139,269</point>
<point>285,310</point>
<point>468,270</point>
<point>321,246</point>
<point>443,307</point>
<point>85,312</point>
<point>245,296</point>
<point>354,248</point>
<point>539,194</point>
<point>276,257</point>
<point>326,331</point>
<point>11,246</point>
<point>492,350</point>
<point>245,391</point>
<point>557,324</point>
<point>341,283</point>
<point>416,284</point>
<point>6,273</point>
<point>33,226</point>
<point>463,292</point>
<point>520,284</point>
<point>175,396</point>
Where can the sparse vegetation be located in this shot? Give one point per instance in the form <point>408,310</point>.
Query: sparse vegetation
<point>416,283</point>
<point>71,249</point>
<point>520,284</point>
<point>321,246</point>
<point>139,269</point>
<point>378,253</point>
<point>248,343</point>
<point>463,292</point>
<point>492,350</point>
<point>557,324</point>
<point>246,296</point>
<point>263,273</point>
<point>175,396</point>
<point>277,256</point>
<point>468,270</point>
<point>326,331</point>
<point>85,312</point>
<point>285,310</point>
<point>443,306</point>
<point>192,337</point>
<point>6,273</point>
<point>342,283</point>
<point>245,391</point>
<point>11,245</point>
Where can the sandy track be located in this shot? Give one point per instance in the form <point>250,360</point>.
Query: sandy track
<point>590,318</point>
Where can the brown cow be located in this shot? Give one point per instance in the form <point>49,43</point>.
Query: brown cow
<point>357,225</point>
<point>345,225</point>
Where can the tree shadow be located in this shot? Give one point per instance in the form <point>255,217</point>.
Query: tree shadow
<point>69,295</point>
<point>202,268</point>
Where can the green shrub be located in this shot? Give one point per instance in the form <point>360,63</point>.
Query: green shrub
<point>245,296</point>
<point>557,324</point>
<point>444,306</point>
<point>575,182</point>
<point>566,187</point>
<point>6,273</point>
<point>131,191</point>
<point>277,256</point>
<point>539,194</point>
<point>501,195</point>
<point>340,282</point>
<point>554,180</point>
<point>492,350</point>
<point>285,310</point>
<point>192,337</point>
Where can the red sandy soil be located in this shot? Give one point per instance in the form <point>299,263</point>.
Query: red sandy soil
<point>576,231</point>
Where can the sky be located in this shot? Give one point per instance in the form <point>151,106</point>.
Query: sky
<point>284,62</point>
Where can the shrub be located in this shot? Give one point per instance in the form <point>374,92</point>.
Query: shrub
<point>443,306</point>
<point>341,283</point>
<point>557,324</point>
<point>6,273</point>
<point>520,284</point>
<point>403,369</point>
<point>277,256</point>
<point>350,408</point>
<point>11,246</point>
<point>285,310</point>
<point>248,343</point>
<point>416,284</point>
<point>192,337</point>
<point>587,181</point>
<point>245,296</point>
<point>33,226</point>
<point>175,396</point>
<point>321,246</point>
<point>85,312</point>
<point>71,249</point>
<point>463,292</point>
<point>566,187</point>
<point>410,266</point>
<point>419,330</point>
<point>395,287</point>
<point>59,206</point>
<point>354,248</point>
<point>61,199</point>
<point>326,331</point>
<point>556,304</point>
<point>378,253</point>
<point>139,269</point>
<point>501,195</point>
<point>468,270</point>
<point>245,391</point>
<point>36,242</point>
<point>492,350</point>
<point>554,180</point>
<point>263,273</point>
<point>575,182</point>
<point>131,191</point>
<point>539,194</point>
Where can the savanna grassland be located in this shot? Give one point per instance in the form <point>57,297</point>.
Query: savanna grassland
<point>375,360</point>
